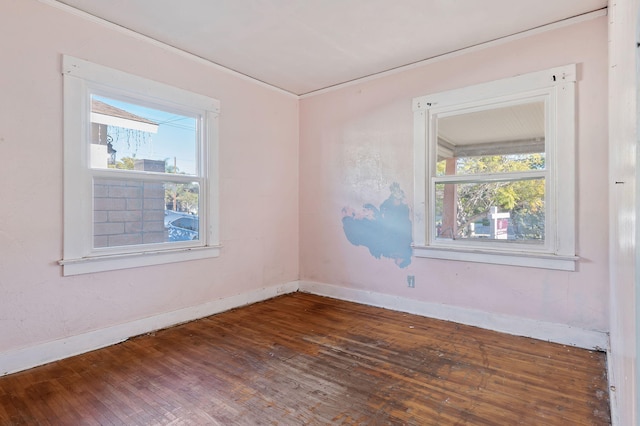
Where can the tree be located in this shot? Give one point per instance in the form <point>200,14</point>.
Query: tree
<point>125,163</point>
<point>181,197</point>
<point>524,199</point>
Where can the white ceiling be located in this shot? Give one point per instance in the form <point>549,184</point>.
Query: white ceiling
<point>306,45</point>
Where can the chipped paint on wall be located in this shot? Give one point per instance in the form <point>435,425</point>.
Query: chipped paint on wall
<point>385,231</point>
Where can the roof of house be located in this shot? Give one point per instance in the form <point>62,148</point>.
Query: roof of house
<point>100,107</point>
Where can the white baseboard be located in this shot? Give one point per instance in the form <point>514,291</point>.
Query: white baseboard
<point>43,353</point>
<point>547,331</point>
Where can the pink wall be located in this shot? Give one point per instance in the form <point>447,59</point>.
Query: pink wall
<point>358,140</point>
<point>285,178</point>
<point>258,174</point>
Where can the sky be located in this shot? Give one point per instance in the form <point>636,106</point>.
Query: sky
<point>176,137</point>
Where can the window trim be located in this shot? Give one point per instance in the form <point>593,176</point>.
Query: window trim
<point>557,85</point>
<point>81,78</point>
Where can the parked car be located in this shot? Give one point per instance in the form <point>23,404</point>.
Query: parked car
<point>182,227</point>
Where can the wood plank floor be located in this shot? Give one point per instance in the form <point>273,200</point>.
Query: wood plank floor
<point>303,359</point>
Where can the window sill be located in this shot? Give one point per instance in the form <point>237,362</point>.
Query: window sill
<point>133,260</point>
<point>531,260</point>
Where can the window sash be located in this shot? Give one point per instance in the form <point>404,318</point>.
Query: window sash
<point>524,245</point>
<point>143,178</point>
<point>199,114</point>
<point>81,79</point>
<point>490,177</point>
<point>93,173</point>
<point>557,87</point>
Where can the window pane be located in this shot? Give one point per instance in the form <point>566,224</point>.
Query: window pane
<point>124,134</point>
<point>491,164</point>
<point>133,212</point>
<point>495,140</point>
<point>507,210</point>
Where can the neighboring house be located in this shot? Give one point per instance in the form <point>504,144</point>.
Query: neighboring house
<point>104,115</point>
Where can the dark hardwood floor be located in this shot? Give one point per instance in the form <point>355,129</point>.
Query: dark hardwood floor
<point>303,359</point>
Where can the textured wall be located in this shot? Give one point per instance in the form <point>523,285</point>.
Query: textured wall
<point>288,184</point>
<point>258,190</point>
<point>356,154</point>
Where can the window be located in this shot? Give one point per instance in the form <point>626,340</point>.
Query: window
<point>140,185</point>
<point>494,172</point>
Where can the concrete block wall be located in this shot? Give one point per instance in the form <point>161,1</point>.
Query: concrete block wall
<point>129,212</point>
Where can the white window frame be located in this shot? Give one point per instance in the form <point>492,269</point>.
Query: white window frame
<point>81,80</point>
<point>556,87</point>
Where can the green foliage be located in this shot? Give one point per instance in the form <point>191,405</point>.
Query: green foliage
<point>524,199</point>
<point>125,163</point>
<point>181,197</point>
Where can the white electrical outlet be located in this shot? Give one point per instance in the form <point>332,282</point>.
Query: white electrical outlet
<point>411,281</point>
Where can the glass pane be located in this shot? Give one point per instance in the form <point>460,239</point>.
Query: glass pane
<point>134,212</point>
<point>496,140</point>
<point>507,210</point>
<point>491,164</point>
<point>130,136</point>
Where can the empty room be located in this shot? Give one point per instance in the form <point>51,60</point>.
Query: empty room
<point>318,212</point>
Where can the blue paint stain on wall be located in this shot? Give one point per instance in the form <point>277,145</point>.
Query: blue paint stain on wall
<point>385,231</point>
